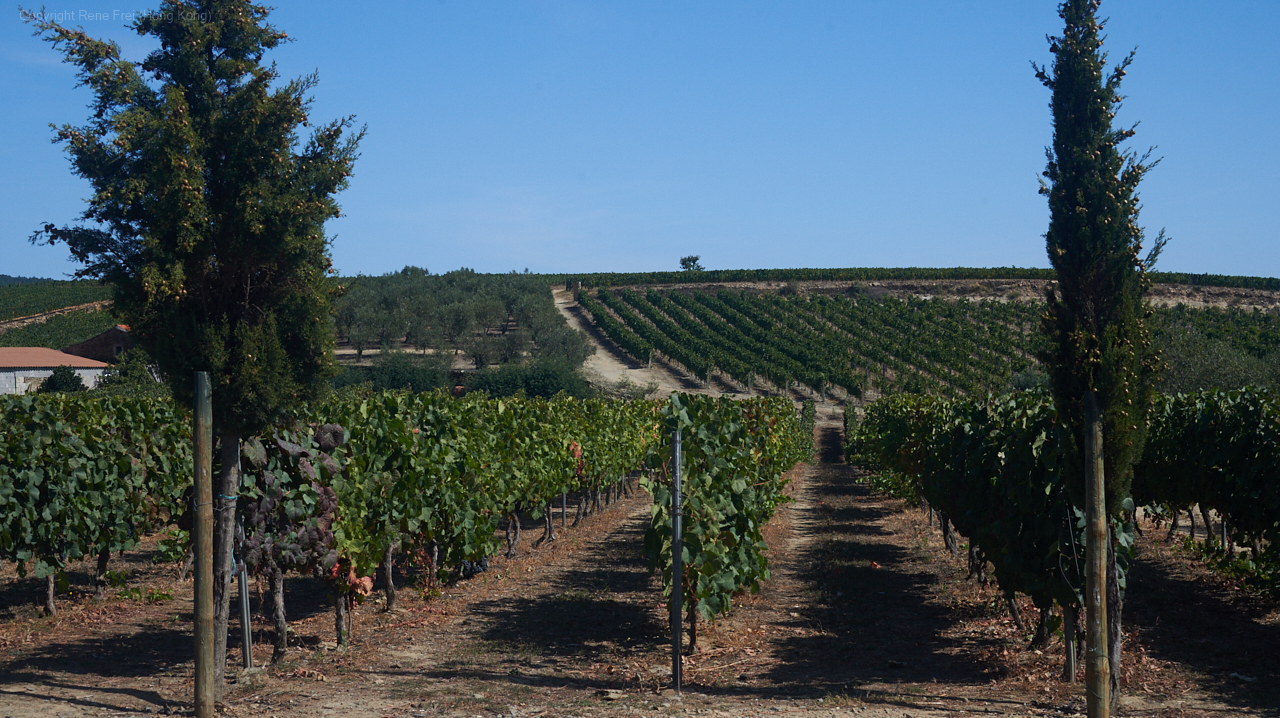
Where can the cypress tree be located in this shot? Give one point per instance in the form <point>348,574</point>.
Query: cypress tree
<point>1101,362</point>
<point>207,218</point>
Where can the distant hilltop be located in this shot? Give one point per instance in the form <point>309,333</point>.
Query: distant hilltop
<point>865,274</point>
<point>6,279</point>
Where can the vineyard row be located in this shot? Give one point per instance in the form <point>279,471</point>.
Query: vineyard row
<point>333,494</point>
<point>827,345</point>
<point>993,468</point>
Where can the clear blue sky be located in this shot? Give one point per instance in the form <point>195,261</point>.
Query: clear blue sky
<point>619,136</point>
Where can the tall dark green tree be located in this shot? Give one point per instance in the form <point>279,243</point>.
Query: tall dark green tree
<point>1101,362</point>
<point>207,217</point>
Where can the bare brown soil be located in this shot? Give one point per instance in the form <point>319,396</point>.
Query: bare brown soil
<point>609,365</point>
<point>866,615</point>
<point>1021,290</point>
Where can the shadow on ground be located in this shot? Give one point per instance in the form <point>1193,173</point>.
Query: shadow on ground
<point>1206,626</point>
<point>870,611</point>
<point>601,607</point>
<point>146,653</point>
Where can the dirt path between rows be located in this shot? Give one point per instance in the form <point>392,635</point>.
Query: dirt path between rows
<point>609,365</point>
<point>865,615</point>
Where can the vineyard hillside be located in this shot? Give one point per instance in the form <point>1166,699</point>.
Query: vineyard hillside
<point>29,300</point>
<point>852,342</point>
<point>997,288</point>
<point>948,332</point>
<point>816,586</point>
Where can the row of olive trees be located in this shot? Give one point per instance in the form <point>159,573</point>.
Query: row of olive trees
<point>492,319</point>
<point>1216,348</point>
<point>1192,362</point>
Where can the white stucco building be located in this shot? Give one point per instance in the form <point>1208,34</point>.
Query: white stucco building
<point>23,368</point>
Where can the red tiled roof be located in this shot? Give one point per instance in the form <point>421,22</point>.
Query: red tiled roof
<point>41,358</point>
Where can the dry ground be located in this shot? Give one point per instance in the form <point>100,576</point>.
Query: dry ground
<point>866,615</point>
<point>607,366</point>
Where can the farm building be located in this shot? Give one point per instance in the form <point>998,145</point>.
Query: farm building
<point>104,347</point>
<point>23,368</point>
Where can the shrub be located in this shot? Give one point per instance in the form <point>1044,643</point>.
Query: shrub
<point>63,380</point>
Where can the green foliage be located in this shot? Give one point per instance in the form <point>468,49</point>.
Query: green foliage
<point>808,422</point>
<point>849,420</point>
<point>1221,450</point>
<point>993,466</point>
<point>80,474</point>
<point>676,341</point>
<point>6,279</point>
<point>1098,346</point>
<point>567,345</point>
<point>821,341</point>
<point>1194,362</point>
<point>1250,330</point>
<point>492,318</point>
<point>618,332</point>
<point>875,274</point>
<point>394,369</point>
<point>543,378</point>
<point>133,375</point>
<point>1260,570</point>
<point>691,264</point>
<point>734,456</point>
<point>1217,348</point>
<point>39,296</point>
<point>173,547</point>
<point>59,332</point>
<point>426,467</point>
<point>208,210</point>
<point>928,346</point>
<point>889,440</point>
<point>1030,378</point>
<point>63,380</point>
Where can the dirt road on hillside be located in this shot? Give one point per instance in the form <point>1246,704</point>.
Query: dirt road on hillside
<point>610,365</point>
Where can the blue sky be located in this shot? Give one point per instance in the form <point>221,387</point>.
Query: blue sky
<point>620,136</point>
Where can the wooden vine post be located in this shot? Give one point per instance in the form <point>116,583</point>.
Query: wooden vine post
<point>677,566</point>
<point>202,438</point>
<point>1097,662</point>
